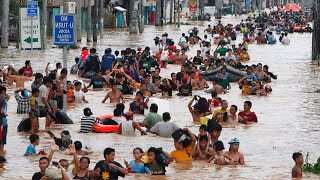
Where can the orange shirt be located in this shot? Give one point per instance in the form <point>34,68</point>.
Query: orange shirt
<point>70,93</point>
<point>183,155</point>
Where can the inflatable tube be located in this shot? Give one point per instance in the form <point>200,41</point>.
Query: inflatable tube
<point>89,74</point>
<point>62,118</point>
<point>234,74</point>
<point>100,128</point>
<point>24,125</point>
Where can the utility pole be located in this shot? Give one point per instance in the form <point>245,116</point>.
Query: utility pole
<point>158,13</point>
<point>171,10</point>
<point>5,24</point>
<point>316,31</point>
<point>101,15</point>
<point>134,17</point>
<point>44,23</point>
<point>178,12</point>
<point>79,34</point>
<point>95,21</point>
<point>89,26</point>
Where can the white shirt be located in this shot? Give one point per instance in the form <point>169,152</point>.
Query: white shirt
<point>44,92</point>
<point>183,40</point>
<point>127,128</point>
<point>285,40</point>
<point>78,96</point>
<point>165,129</point>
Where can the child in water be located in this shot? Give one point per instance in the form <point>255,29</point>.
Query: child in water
<point>157,162</point>
<point>136,166</point>
<point>296,170</point>
<point>218,157</point>
<point>203,144</point>
<point>234,156</point>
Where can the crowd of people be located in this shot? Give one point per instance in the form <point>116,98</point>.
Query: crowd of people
<point>138,72</point>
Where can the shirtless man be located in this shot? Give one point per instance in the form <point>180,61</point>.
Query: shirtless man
<point>234,156</point>
<point>183,57</point>
<point>176,57</point>
<point>201,83</point>
<point>192,39</point>
<point>20,79</point>
<point>216,87</point>
<point>114,95</point>
<point>296,170</point>
<point>144,90</point>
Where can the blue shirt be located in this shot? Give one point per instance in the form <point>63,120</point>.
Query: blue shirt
<point>30,150</point>
<point>5,120</point>
<point>97,83</point>
<point>139,168</point>
<point>107,61</point>
<point>251,76</point>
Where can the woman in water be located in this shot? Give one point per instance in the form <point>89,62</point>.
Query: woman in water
<point>258,90</point>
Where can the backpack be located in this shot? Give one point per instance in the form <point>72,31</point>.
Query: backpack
<point>233,36</point>
<point>93,63</point>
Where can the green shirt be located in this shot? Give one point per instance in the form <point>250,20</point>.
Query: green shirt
<point>146,64</point>
<point>156,169</point>
<point>152,119</point>
<point>222,51</point>
<point>224,83</point>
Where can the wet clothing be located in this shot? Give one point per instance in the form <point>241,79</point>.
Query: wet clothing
<point>30,150</point>
<point>152,119</point>
<point>185,90</point>
<point>183,155</point>
<point>37,176</point>
<point>127,128</point>
<point>87,123</point>
<point>164,129</point>
<point>107,61</point>
<point>251,116</point>
<point>139,168</point>
<point>85,177</point>
<point>97,82</point>
<point>27,71</point>
<point>136,108</point>
<point>224,83</point>
<point>107,173</point>
<point>156,169</point>
<point>23,104</point>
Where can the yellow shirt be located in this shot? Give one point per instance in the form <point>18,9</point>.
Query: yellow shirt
<point>246,90</point>
<point>220,111</point>
<point>183,155</point>
<point>33,103</point>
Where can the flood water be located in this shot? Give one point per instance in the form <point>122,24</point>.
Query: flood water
<point>288,118</point>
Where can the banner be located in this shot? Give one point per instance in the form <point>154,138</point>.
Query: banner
<point>193,6</point>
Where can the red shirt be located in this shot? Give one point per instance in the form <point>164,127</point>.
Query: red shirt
<point>214,102</point>
<point>84,54</point>
<point>251,116</point>
<point>173,48</point>
<point>28,72</point>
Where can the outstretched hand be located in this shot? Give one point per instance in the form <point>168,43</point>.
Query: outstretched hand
<point>72,149</point>
<point>53,147</point>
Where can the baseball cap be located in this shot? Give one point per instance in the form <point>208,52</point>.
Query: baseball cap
<point>234,141</point>
<point>87,112</point>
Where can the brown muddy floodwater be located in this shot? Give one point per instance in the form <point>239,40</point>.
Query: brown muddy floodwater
<point>288,118</point>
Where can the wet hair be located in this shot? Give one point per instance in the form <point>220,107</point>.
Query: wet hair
<point>38,75</point>
<point>27,62</point>
<point>203,127</point>
<point>21,71</point>
<point>116,52</point>
<point>213,125</point>
<point>120,106</point>
<point>266,67</point>
<point>85,158</point>
<point>117,112</point>
<point>47,80</point>
<point>93,50</point>
<point>215,80</point>
<point>3,89</point>
<point>166,116</point>
<point>173,74</point>
<point>248,103</point>
<point>296,155</point>
<point>65,132</point>
<point>153,149</point>
<point>139,93</point>
<point>137,148</point>
<point>35,90</point>
<point>44,158</point>
<point>77,145</point>
<point>218,146</point>
<point>234,107</point>
<point>203,138</point>
<point>2,159</point>
<point>77,83</point>
<point>157,68</point>
<point>108,151</point>
<point>213,94</point>
<point>58,64</point>
<point>33,138</point>
<point>154,108</point>
<point>76,60</point>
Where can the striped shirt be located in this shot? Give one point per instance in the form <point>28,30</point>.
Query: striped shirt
<point>23,104</point>
<point>87,124</point>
